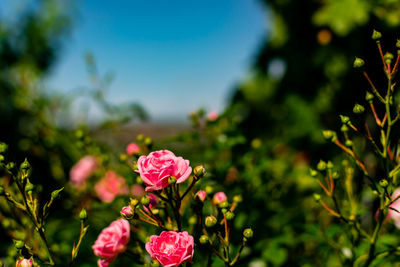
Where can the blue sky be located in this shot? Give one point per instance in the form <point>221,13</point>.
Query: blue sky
<point>171,56</point>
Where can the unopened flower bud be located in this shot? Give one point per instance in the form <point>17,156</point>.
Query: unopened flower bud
<point>321,166</point>
<point>358,63</point>
<point>25,165</point>
<point>248,233</point>
<point>229,215</point>
<point>29,186</point>
<point>203,239</point>
<point>148,141</point>
<point>145,200</point>
<point>219,198</point>
<point>369,97</point>
<point>328,134</point>
<point>155,263</point>
<point>209,189</point>
<point>313,173</point>
<point>238,199</point>
<point>83,215</point>
<point>388,57</point>
<point>329,165</point>
<point>132,149</point>
<point>24,263</point>
<point>344,128</point>
<point>171,180</point>
<point>358,109</point>
<point>19,244</point>
<point>133,202</point>
<point>140,138</point>
<point>348,143</point>
<point>3,147</point>
<point>10,166</point>
<point>192,220</point>
<point>210,221</point>
<point>398,43</point>
<point>383,183</point>
<point>127,212</point>
<point>376,35</point>
<point>56,193</point>
<point>199,171</point>
<point>1,158</point>
<point>317,197</point>
<point>223,204</point>
<point>201,195</point>
<point>344,119</point>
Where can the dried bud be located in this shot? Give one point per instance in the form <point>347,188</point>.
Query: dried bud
<point>83,215</point>
<point>358,63</point>
<point>383,183</point>
<point>369,97</point>
<point>229,215</point>
<point>248,233</point>
<point>376,35</point>
<point>358,109</point>
<point>321,166</point>
<point>171,180</point>
<point>199,171</point>
<point>210,221</point>
<point>203,239</point>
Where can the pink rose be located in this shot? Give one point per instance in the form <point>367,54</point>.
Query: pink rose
<point>212,116</point>
<point>132,148</point>
<point>127,211</point>
<point>24,263</point>
<point>171,248</point>
<point>394,215</point>
<point>158,166</point>
<point>201,195</point>
<point>82,170</point>
<point>111,241</point>
<point>219,198</point>
<point>110,187</point>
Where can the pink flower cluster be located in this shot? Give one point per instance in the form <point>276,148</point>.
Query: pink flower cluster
<point>171,248</point>
<point>111,241</point>
<point>82,170</point>
<point>158,166</point>
<point>110,187</point>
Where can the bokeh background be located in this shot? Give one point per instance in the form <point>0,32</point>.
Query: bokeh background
<point>276,71</point>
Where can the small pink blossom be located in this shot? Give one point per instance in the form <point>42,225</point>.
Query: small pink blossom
<point>219,198</point>
<point>127,211</point>
<point>110,187</point>
<point>171,248</point>
<point>158,166</point>
<point>82,170</point>
<point>201,195</point>
<point>132,148</point>
<point>212,115</point>
<point>111,241</point>
<point>24,263</point>
<point>394,215</point>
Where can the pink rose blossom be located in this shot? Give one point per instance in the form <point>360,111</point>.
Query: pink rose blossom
<point>24,263</point>
<point>219,198</point>
<point>82,170</point>
<point>111,241</point>
<point>212,115</point>
<point>110,187</point>
<point>158,166</point>
<point>394,215</point>
<point>171,248</point>
<point>132,148</point>
<point>201,195</point>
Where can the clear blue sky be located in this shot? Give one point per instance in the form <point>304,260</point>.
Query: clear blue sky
<point>171,56</point>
